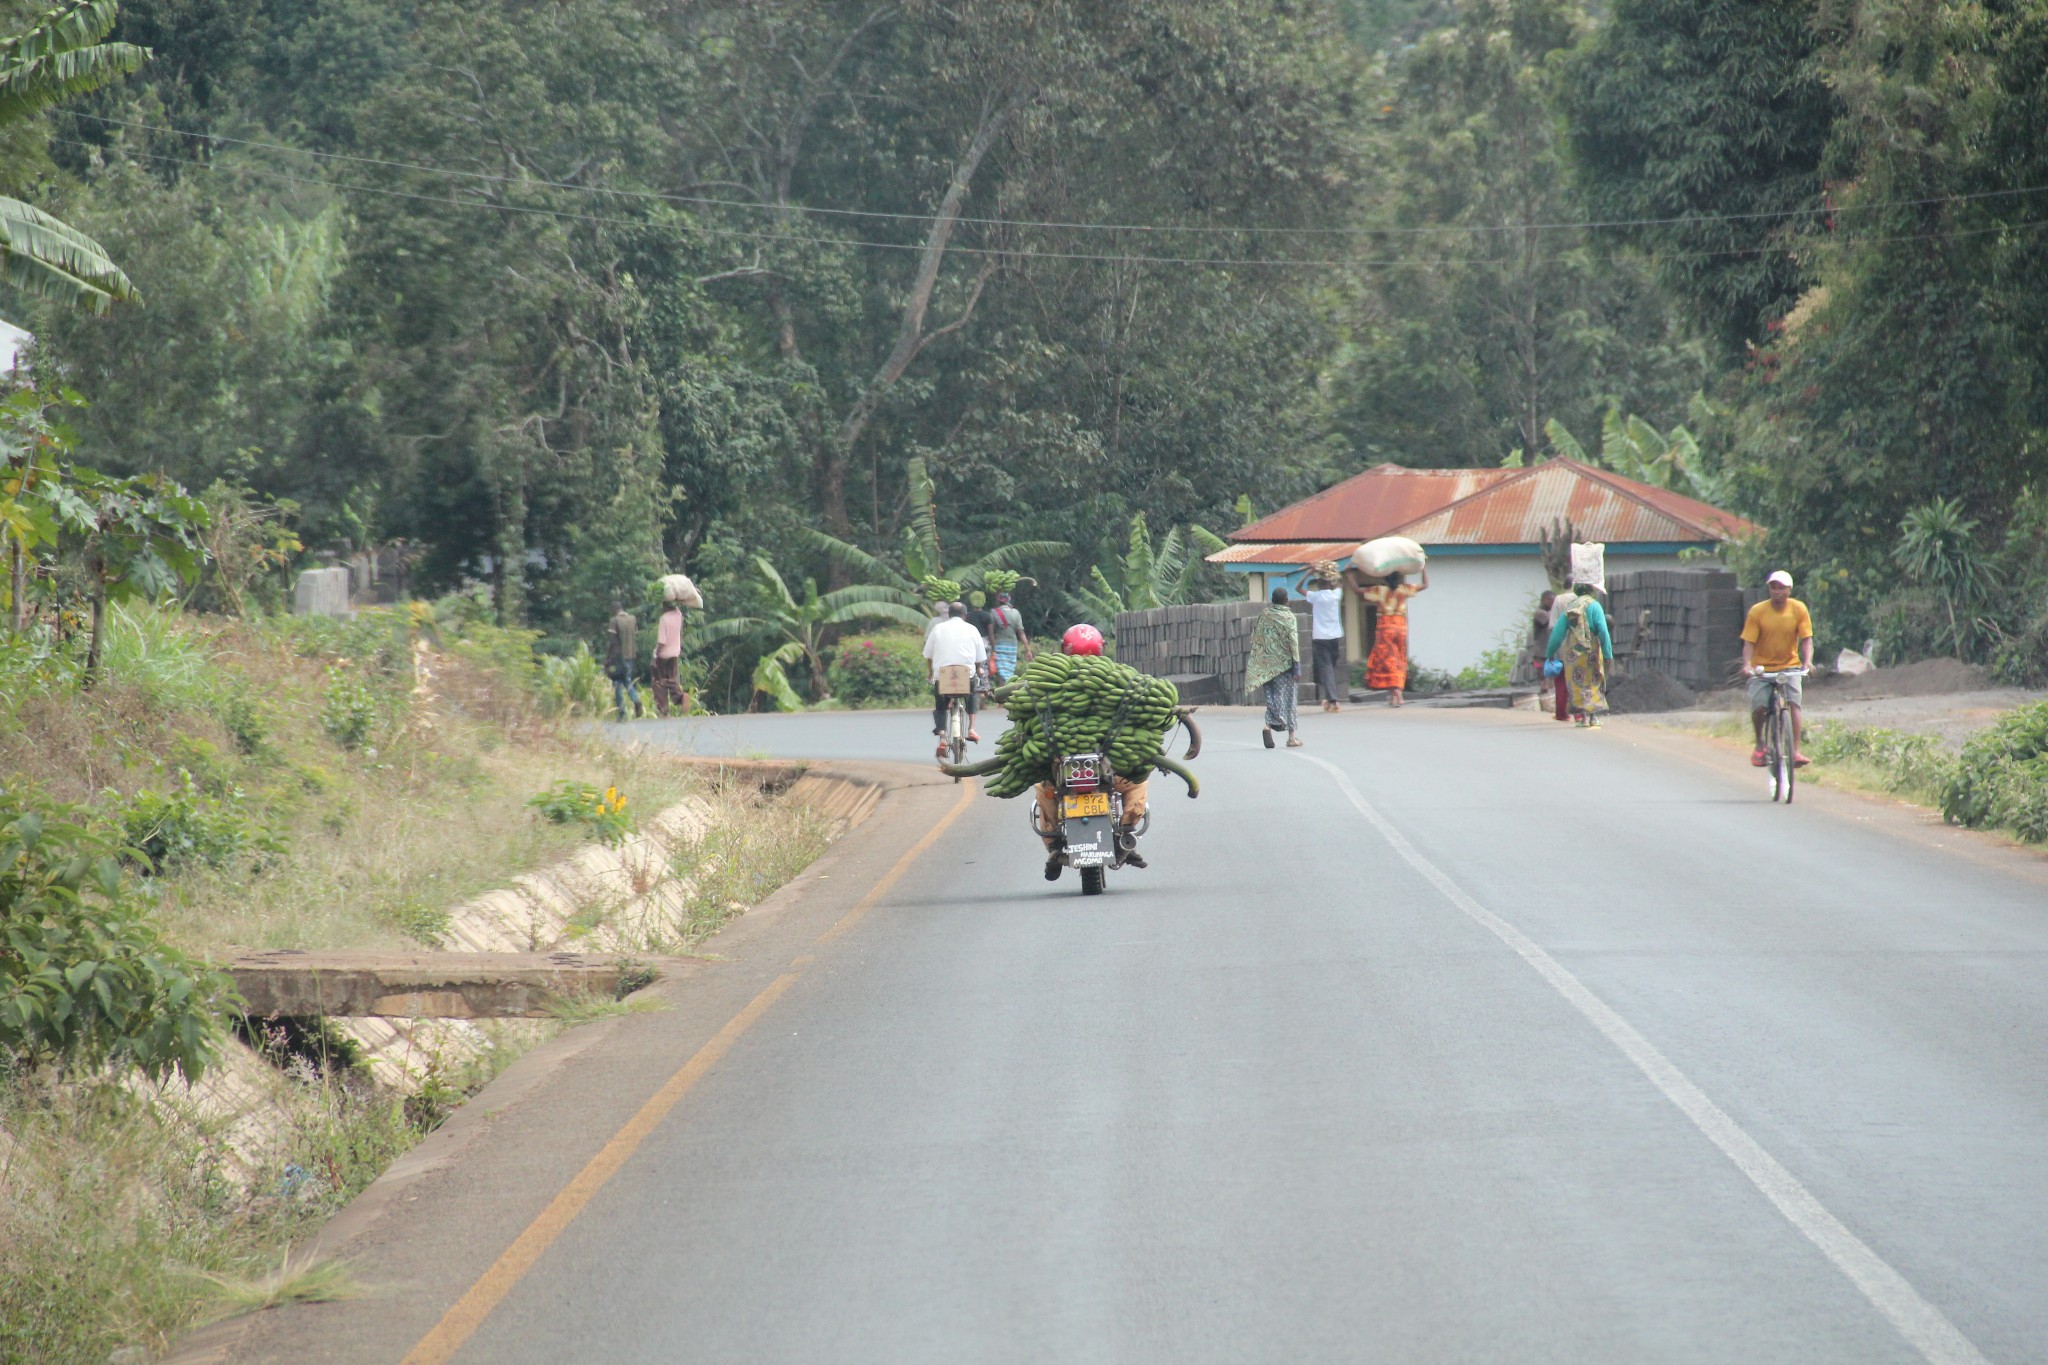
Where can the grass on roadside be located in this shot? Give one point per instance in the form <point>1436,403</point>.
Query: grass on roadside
<point>121,1225</point>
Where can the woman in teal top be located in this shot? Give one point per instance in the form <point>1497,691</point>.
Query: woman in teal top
<point>1579,637</point>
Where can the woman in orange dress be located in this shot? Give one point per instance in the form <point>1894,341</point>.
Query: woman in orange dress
<point>1386,668</point>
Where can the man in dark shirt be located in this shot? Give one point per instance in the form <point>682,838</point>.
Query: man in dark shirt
<point>979,616</point>
<point>621,654</point>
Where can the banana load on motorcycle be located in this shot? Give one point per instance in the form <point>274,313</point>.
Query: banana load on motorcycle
<point>1086,732</point>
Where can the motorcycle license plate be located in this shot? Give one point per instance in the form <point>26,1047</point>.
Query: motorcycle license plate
<point>1096,803</point>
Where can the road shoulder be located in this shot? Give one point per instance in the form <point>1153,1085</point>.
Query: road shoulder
<point>424,1232</point>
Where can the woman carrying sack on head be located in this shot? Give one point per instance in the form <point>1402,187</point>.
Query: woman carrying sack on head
<point>1386,668</point>
<point>1579,638</point>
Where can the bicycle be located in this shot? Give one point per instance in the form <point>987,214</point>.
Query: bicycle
<point>955,683</point>
<point>1779,750</point>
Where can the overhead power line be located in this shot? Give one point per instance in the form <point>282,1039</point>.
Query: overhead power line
<point>755,206</point>
<point>1020,253</point>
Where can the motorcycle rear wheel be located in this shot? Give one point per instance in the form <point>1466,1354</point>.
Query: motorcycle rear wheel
<point>1094,881</point>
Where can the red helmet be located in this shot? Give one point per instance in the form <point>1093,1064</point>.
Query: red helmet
<point>1082,639</point>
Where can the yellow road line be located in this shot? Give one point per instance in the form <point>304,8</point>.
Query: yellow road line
<point>460,1322</point>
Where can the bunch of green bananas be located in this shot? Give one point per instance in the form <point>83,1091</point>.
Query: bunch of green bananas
<point>937,589</point>
<point>1001,580</point>
<point>1084,696</point>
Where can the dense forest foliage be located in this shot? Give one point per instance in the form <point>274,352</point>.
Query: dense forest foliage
<point>565,291</point>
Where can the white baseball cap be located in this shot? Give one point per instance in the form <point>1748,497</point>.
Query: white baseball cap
<point>1780,577</point>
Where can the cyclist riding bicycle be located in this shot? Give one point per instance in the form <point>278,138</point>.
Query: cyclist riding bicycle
<point>948,643</point>
<point>1776,637</point>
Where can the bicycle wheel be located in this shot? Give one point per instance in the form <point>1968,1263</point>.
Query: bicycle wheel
<point>1789,771</point>
<point>1093,880</point>
<point>956,731</point>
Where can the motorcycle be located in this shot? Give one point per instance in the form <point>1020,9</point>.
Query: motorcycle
<point>1088,830</point>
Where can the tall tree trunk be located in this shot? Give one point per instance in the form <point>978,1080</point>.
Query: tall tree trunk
<point>911,336</point>
<point>97,649</point>
<point>17,581</point>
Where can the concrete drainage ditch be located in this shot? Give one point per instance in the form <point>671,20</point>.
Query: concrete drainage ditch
<point>584,926</point>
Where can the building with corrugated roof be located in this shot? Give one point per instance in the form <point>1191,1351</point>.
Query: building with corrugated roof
<point>1482,530</point>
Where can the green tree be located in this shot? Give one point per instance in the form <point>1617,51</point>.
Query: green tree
<point>1698,126</point>
<point>1488,309</point>
<point>139,537</point>
<point>790,630</point>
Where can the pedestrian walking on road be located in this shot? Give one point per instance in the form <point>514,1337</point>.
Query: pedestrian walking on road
<point>1579,639</point>
<point>1326,632</point>
<point>668,662</point>
<point>1386,670</point>
<point>1275,667</point>
<point>1007,640</point>
<point>621,656</point>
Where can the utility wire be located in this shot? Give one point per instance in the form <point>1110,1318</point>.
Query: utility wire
<point>701,201</point>
<point>1025,253</point>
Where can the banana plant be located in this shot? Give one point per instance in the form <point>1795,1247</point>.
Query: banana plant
<point>791,630</point>
<point>1146,577</point>
<point>59,56</point>
<point>1634,449</point>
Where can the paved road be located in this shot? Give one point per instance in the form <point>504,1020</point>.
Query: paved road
<point>1450,1037</point>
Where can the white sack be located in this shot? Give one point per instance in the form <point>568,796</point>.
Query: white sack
<point>1589,564</point>
<point>1388,554</point>
<point>677,587</point>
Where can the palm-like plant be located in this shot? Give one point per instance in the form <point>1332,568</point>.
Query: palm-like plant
<point>793,629</point>
<point>1147,576</point>
<point>922,556</point>
<point>1937,549</point>
<point>60,56</point>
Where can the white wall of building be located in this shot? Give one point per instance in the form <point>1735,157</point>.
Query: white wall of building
<point>1474,601</point>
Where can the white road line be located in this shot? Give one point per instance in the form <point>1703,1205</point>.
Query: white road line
<point>1917,1320</point>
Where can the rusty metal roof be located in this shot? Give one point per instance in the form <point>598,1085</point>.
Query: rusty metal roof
<point>1370,504</point>
<point>1603,506</point>
<point>1292,553</point>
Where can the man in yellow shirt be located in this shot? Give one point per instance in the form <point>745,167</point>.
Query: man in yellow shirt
<point>1778,635</point>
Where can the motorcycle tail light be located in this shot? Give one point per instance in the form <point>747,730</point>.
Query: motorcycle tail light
<point>1082,775</point>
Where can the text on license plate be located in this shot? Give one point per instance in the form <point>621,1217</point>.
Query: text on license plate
<point>1095,804</point>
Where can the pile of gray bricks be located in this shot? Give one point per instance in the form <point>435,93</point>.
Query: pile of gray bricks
<point>1203,647</point>
<point>1694,622</point>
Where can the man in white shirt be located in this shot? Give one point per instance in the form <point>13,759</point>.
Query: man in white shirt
<point>1326,631</point>
<point>949,642</point>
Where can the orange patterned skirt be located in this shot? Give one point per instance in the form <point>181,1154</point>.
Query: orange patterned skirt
<point>1387,665</point>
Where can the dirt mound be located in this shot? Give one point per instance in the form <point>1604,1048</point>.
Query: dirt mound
<point>1925,678</point>
<point>1647,690</point>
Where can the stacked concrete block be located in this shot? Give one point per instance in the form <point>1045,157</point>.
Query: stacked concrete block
<point>1209,639</point>
<point>1694,621</point>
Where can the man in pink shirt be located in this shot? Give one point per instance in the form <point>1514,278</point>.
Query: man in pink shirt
<point>668,654</point>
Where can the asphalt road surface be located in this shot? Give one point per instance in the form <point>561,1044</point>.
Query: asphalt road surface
<point>1453,1036</point>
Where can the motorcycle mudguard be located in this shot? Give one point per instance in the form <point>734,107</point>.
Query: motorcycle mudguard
<point>1091,841</point>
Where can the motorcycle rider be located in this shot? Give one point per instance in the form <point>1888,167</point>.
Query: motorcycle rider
<point>1086,639</point>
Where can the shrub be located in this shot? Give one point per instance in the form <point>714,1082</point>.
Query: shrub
<point>84,975</point>
<point>239,715</point>
<point>349,713</point>
<point>574,684</point>
<point>1494,669</point>
<point>579,803</point>
<point>2002,776</point>
<point>879,670</point>
<point>187,825</point>
<point>1910,763</point>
